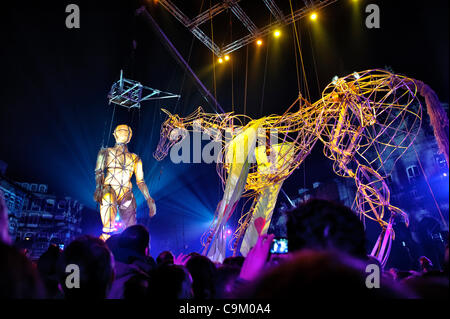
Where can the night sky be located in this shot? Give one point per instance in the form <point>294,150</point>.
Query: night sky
<point>54,114</point>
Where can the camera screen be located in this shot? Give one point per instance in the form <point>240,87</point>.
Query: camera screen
<point>279,246</point>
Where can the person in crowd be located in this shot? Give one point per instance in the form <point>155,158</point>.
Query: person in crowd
<point>170,282</point>
<point>113,244</point>
<point>393,273</point>
<point>226,276</point>
<point>234,261</point>
<point>428,283</point>
<point>18,278</point>
<point>311,273</point>
<point>131,259</point>
<point>133,248</point>
<point>428,287</point>
<point>322,224</point>
<point>165,258</point>
<point>323,275</point>
<point>203,272</point>
<point>425,264</point>
<point>136,288</point>
<point>47,266</point>
<point>94,266</point>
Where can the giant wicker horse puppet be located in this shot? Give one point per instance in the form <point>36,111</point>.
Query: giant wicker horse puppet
<point>366,121</point>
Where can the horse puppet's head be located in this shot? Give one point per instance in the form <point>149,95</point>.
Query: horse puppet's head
<point>172,132</point>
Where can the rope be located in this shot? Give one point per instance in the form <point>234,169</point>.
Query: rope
<point>300,51</point>
<point>296,62</point>
<point>212,54</point>
<point>110,125</point>
<point>232,73</point>
<point>104,132</point>
<point>245,85</point>
<point>188,60</point>
<point>265,74</point>
<point>314,60</point>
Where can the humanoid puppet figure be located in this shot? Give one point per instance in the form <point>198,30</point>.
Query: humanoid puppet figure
<point>114,192</point>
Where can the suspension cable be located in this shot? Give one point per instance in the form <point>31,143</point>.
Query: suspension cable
<point>245,83</point>
<point>429,187</point>
<point>299,50</point>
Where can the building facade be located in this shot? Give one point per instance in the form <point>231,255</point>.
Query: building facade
<point>47,219</point>
<point>37,218</point>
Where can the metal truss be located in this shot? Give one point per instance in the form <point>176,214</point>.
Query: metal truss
<point>130,94</point>
<point>274,10</point>
<point>280,19</point>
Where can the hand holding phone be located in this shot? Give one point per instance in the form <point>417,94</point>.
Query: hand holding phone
<point>279,246</point>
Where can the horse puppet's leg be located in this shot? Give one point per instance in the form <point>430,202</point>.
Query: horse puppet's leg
<point>240,153</point>
<point>261,216</point>
<point>268,168</point>
<point>373,201</point>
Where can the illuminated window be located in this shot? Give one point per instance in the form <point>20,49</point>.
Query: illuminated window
<point>42,188</point>
<point>440,161</point>
<point>413,173</point>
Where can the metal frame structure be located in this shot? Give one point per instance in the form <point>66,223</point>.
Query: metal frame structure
<point>143,12</point>
<point>130,93</point>
<point>281,19</point>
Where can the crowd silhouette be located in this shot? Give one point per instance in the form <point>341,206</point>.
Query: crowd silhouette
<point>326,259</point>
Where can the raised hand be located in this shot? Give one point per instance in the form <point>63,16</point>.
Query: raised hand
<point>256,258</point>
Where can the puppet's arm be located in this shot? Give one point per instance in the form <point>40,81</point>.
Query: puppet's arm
<point>99,174</point>
<point>139,172</point>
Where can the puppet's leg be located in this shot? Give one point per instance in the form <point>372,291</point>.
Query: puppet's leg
<point>233,191</point>
<point>373,201</point>
<point>239,154</point>
<point>127,209</point>
<point>280,159</point>
<point>261,216</point>
<point>108,211</point>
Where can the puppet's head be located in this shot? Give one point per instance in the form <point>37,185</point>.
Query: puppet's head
<point>123,134</point>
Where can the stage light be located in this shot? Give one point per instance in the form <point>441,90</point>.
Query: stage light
<point>313,16</point>
<point>220,60</point>
<point>227,58</point>
<point>259,42</point>
<point>445,174</point>
<point>277,33</point>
